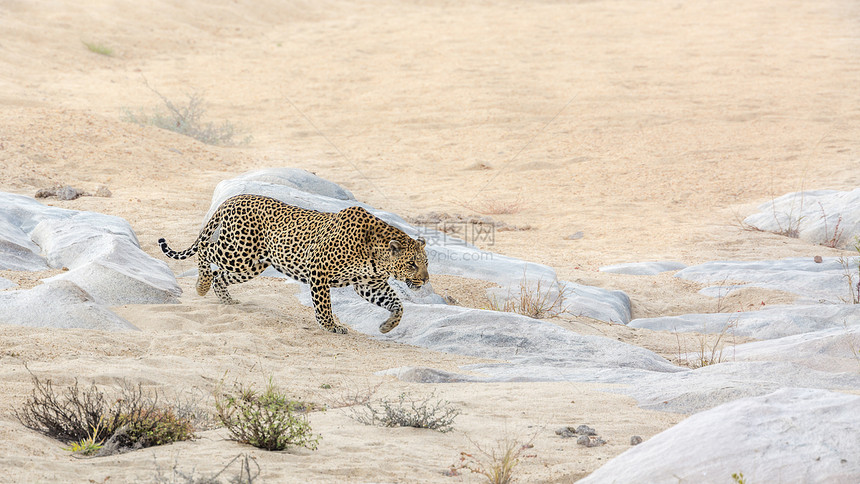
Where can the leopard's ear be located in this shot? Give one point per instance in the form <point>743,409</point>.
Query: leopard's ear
<point>421,242</point>
<point>395,247</point>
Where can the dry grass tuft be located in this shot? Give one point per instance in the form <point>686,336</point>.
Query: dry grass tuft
<point>532,300</point>
<point>349,396</point>
<point>187,119</point>
<point>494,206</point>
<point>851,273</point>
<point>422,413</point>
<point>497,464</point>
<point>247,472</point>
<point>707,348</point>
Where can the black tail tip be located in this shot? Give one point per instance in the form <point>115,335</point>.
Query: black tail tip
<point>161,241</point>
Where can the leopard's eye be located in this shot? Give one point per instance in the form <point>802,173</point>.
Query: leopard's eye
<point>413,266</point>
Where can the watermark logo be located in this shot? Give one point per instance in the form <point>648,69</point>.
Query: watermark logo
<point>457,233</point>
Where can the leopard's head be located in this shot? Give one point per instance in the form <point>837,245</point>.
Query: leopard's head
<point>409,261</point>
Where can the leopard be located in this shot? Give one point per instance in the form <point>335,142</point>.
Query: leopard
<point>248,233</point>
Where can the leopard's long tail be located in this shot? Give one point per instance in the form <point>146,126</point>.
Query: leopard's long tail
<point>208,233</point>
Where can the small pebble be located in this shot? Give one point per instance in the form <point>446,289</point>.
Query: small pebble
<point>585,430</point>
<point>576,236</point>
<point>103,192</point>
<point>565,432</point>
<point>46,192</point>
<point>68,193</point>
<point>590,441</point>
<point>62,193</point>
<point>635,440</point>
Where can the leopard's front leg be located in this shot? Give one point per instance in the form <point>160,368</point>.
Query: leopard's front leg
<point>380,293</point>
<point>321,296</point>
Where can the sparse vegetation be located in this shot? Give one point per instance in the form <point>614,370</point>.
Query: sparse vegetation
<point>93,423</point>
<point>851,272</point>
<point>268,420</point>
<point>186,119</point>
<point>495,206</point>
<point>87,446</point>
<point>533,300</point>
<point>788,224</point>
<point>427,413</point>
<point>500,207</point>
<point>98,49</point>
<point>708,348</point>
<point>836,238</point>
<point>792,221</point>
<point>853,345</point>
<point>350,395</point>
<point>496,465</point>
<point>738,477</point>
<point>246,473</point>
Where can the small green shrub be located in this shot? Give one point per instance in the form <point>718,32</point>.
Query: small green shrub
<point>99,49</point>
<point>156,426</point>
<point>88,446</point>
<point>268,420</point>
<point>93,423</point>
<point>407,412</point>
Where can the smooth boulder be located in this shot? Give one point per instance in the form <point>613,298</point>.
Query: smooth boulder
<point>826,217</point>
<point>791,435</point>
<point>528,349</point>
<point>814,282</point>
<point>769,323</point>
<point>643,268</point>
<point>58,304</point>
<point>101,252</point>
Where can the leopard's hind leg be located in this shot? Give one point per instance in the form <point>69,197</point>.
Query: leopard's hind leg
<point>204,270</point>
<point>223,278</point>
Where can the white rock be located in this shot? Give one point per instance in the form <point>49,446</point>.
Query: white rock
<point>696,390</point>
<point>531,350</point>
<point>597,303</point>
<point>769,323</point>
<point>102,254</point>
<point>299,179</point>
<point>832,350</point>
<point>643,268</point>
<point>791,435</point>
<point>816,216</point>
<point>104,258</point>
<point>58,304</point>
<point>813,282</point>
<point>17,218</point>
<point>6,283</point>
<point>427,375</point>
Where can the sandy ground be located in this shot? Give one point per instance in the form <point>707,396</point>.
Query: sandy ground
<point>650,127</point>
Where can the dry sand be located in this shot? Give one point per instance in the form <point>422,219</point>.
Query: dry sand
<point>651,127</point>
